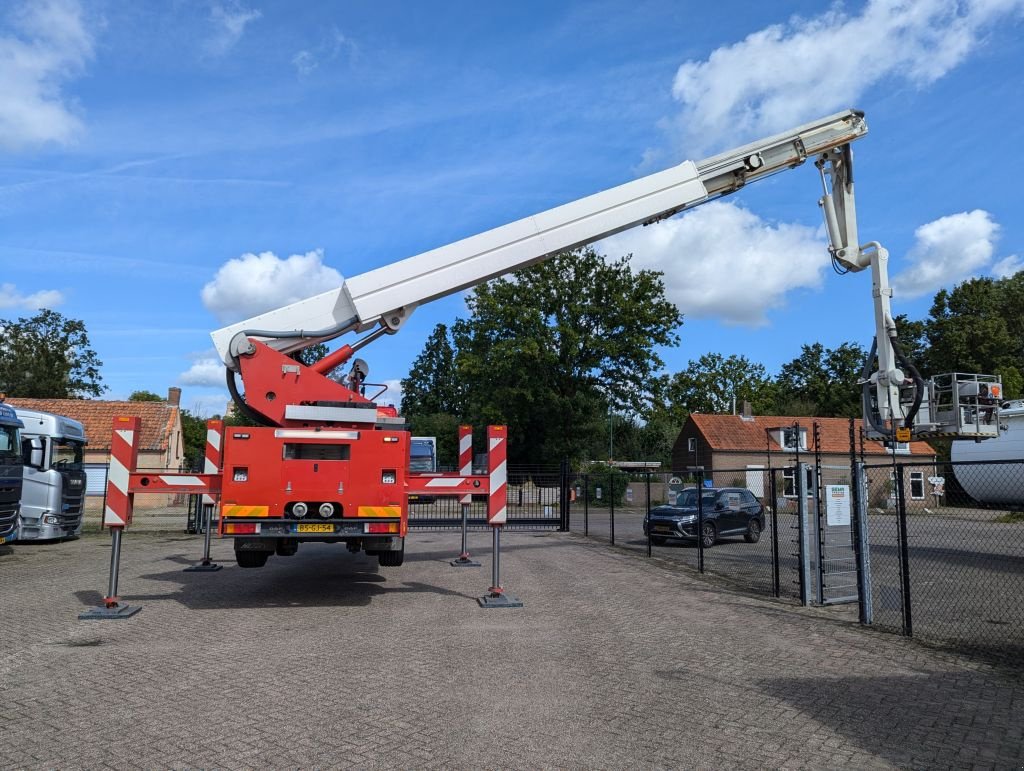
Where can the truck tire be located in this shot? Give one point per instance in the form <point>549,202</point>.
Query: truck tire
<point>251,559</point>
<point>391,559</point>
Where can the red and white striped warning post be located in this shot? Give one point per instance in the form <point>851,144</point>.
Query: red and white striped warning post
<point>465,471</point>
<point>497,513</point>
<point>466,456</point>
<point>117,514</point>
<point>211,466</point>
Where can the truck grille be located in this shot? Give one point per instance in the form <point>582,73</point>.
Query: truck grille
<point>72,500</point>
<point>8,510</point>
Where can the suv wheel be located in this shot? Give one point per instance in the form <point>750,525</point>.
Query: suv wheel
<point>753,534</point>
<point>708,536</point>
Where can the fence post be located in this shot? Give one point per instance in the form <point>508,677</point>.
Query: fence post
<point>700,520</point>
<point>862,544</point>
<point>586,504</point>
<point>775,531</point>
<point>647,516</point>
<point>611,504</point>
<point>901,515</point>
<point>804,536</point>
<point>563,498</point>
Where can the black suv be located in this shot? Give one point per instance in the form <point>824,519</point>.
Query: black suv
<point>726,511</point>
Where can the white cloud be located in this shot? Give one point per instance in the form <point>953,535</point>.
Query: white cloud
<point>254,283</point>
<point>10,297</point>
<point>308,60</point>
<point>786,74</point>
<point>392,396</point>
<point>49,45</point>
<point>947,250</point>
<point>1008,266</point>
<point>207,371</point>
<point>229,22</point>
<point>724,262</point>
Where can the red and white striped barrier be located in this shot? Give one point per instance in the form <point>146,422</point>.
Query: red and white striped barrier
<point>497,498</point>
<point>124,456</point>
<point>466,456</point>
<point>214,451</point>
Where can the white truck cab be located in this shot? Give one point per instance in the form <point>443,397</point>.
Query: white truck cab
<point>53,489</point>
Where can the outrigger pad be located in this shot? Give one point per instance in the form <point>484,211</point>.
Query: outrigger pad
<point>500,601</point>
<point>118,611</point>
<point>461,563</point>
<point>201,568</point>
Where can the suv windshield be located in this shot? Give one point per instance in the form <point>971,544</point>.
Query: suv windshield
<point>66,453</point>
<point>688,498</point>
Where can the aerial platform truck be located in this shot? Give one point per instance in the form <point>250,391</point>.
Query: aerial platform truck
<point>325,462</point>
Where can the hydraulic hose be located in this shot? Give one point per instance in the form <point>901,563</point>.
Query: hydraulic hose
<point>244,408</point>
<point>871,415</point>
<point>919,386</point>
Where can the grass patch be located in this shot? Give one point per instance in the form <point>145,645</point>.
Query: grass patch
<point>1010,517</point>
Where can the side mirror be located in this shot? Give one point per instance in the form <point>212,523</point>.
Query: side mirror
<point>32,452</point>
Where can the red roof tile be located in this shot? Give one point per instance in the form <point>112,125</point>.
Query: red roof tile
<point>732,432</point>
<point>158,418</point>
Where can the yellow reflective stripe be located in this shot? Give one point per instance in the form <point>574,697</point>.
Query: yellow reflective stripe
<point>380,511</point>
<point>245,511</point>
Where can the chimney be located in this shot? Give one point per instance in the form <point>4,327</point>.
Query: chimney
<point>174,396</point>
<point>748,412</point>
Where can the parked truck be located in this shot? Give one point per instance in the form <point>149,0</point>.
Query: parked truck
<point>10,472</point>
<point>53,491</point>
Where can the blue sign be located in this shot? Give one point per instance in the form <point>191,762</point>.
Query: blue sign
<point>709,482</point>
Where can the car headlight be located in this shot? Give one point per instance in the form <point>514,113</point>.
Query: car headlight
<point>688,519</point>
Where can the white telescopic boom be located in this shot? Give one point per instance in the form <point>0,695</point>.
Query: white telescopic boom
<point>386,296</point>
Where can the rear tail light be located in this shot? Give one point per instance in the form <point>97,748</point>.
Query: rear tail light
<point>241,528</point>
<point>381,527</point>
<point>300,509</point>
<point>326,510</point>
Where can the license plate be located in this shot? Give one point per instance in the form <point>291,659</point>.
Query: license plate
<point>662,529</point>
<point>314,527</point>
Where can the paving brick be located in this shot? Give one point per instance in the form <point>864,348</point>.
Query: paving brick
<point>326,660</point>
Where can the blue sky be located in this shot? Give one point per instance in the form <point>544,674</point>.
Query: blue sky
<point>169,167</point>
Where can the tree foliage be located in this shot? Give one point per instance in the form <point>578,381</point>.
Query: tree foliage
<point>824,379</point>
<point>548,350</point>
<point>48,356</point>
<point>711,383</point>
<point>432,386</point>
<point>193,429</point>
<point>979,327</point>
<point>144,396</point>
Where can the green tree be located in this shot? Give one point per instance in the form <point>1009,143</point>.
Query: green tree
<point>48,356</point>
<point>311,354</point>
<point>144,396</point>
<point>193,429</point>
<point>822,382</point>
<point>979,327</point>
<point>432,386</point>
<point>548,350</point>
<point>710,384</point>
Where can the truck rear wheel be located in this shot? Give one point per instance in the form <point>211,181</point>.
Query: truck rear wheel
<point>251,559</point>
<point>391,559</point>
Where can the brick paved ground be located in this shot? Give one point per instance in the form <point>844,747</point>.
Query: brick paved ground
<point>324,659</point>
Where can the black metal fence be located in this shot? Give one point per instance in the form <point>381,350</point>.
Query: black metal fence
<point>930,550</point>
<point>947,554</point>
<point>753,552</point>
<point>537,500</point>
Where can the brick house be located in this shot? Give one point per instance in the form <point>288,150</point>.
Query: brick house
<point>736,449</point>
<point>162,444</point>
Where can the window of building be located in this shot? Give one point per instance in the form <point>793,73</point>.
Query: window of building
<point>789,482</point>
<point>792,439</point>
<point>902,448</point>
<point>691,444</point>
<point>917,485</point>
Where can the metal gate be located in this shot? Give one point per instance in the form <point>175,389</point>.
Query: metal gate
<point>837,556</point>
<point>537,500</point>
